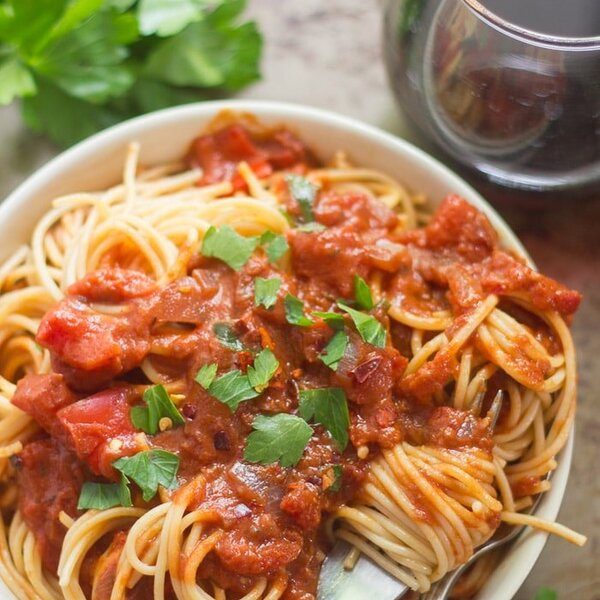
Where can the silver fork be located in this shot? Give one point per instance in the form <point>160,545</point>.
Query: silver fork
<point>368,580</point>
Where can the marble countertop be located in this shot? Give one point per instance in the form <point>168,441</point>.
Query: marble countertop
<point>327,54</point>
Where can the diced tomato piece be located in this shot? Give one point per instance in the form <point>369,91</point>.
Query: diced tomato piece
<point>302,501</point>
<point>90,348</point>
<point>220,153</point>
<point>113,285</point>
<point>42,396</point>
<point>458,226</point>
<point>183,301</point>
<point>50,478</point>
<point>99,428</point>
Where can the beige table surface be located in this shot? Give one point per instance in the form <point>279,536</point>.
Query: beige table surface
<point>326,53</point>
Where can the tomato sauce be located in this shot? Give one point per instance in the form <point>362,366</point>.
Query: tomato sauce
<point>271,517</point>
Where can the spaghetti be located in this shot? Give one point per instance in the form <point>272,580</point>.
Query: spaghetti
<point>186,404</point>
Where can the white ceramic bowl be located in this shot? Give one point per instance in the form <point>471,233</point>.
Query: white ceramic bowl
<point>165,136</point>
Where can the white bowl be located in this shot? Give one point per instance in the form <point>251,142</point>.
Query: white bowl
<point>165,136</point>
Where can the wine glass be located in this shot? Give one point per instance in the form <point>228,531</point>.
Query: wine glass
<point>512,106</point>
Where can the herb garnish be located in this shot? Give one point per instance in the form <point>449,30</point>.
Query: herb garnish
<point>280,438</point>
<point>294,311</point>
<point>150,469</point>
<point>334,478</point>
<point>304,193</point>
<point>228,245</point>
<point>362,293</point>
<point>232,389</point>
<point>100,496</point>
<point>264,367</point>
<point>227,336</point>
<point>369,328</point>
<point>327,406</point>
<point>158,405</point>
<point>265,291</point>
<point>235,387</point>
<point>275,245</point>
<point>333,319</point>
<point>206,375</point>
<point>334,351</point>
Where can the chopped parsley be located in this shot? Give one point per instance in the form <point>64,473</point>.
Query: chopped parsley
<point>264,367</point>
<point>235,387</point>
<point>206,375</point>
<point>327,406</point>
<point>369,328</point>
<point>227,336</point>
<point>333,319</point>
<point>333,478</point>
<point>546,593</point>
<point>275,245</point>
<point>100,496</point>
<point>158,405</point>
<point>294,311</point>
<point>229,246</point>
<point>362,293</point>
<point>304,193</point>
<point>150,469</point>
<point>312,227</point>
<point>265,291</point>
<point>334,351</point>
<point>279,437</point>
<point>232,389</point>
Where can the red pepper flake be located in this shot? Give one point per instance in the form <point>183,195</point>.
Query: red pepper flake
<point>189,411</point>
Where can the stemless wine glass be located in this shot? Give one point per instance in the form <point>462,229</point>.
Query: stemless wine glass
<point>520,108</point>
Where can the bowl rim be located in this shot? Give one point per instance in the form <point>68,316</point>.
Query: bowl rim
<point>514,567</point>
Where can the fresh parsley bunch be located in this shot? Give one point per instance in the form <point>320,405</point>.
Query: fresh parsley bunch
<point>82,65</point>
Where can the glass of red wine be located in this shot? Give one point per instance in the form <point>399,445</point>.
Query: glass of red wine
<point>509,90</point>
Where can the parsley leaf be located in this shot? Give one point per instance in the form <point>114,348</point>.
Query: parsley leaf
<point>167,17</point>
<point>158,406</point>
<point>82,65</point>
<point>334,320</point>
<point>280,438</point>
<point>335,349</point>
<point>206,375</point>
<point>327,406</point>
<point>264,367</point>
<point>294,311</point>
<point>215,52</point>
<point>333,477</point>
<point>100,496</point>
<point>304,193</point>
<point>312,227</point>
<point>369,328</point>
<point>227,336</point>
<point>275,245</point>
<point>362,293</point>
<point>232,389</point>
<point>228,245</point>
<point>545,593</point>
<point>16,79</point>
<point>265,291</point>
<point>150,469</point>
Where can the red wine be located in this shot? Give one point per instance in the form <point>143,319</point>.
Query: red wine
<point>567,18</point>
<point>520,114</point>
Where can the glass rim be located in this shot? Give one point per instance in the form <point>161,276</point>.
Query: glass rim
<point>546,39</point>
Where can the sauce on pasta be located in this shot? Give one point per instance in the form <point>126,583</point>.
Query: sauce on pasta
<point>376,317</point>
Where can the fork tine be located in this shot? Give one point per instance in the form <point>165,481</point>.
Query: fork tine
<point>494,411</point>
<point>475,407</point>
